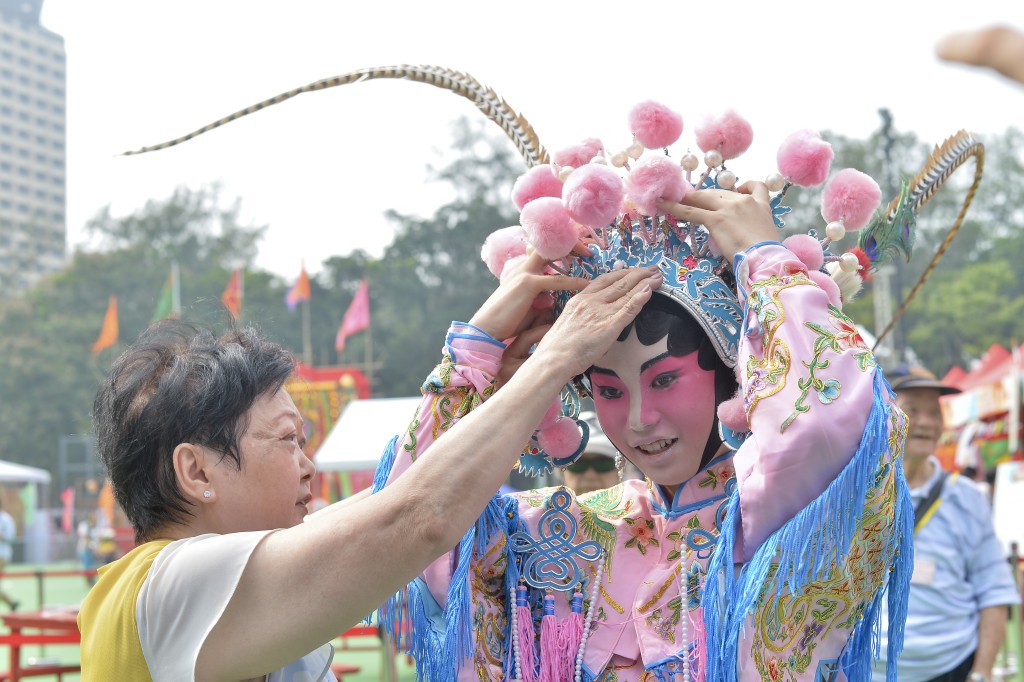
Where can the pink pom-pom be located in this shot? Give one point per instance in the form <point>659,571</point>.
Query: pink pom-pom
<point>655,125</point>
<point>730,134</point>
<point>593,195</point>
<point>804,158</point>
<point>578,155</point>
<point>733,414</point>
<point>653,178</point>
<point>560,439</point>
<point>539,181</point>
<point>828,285</point>
<point>554,412</point>
<point>549,228</point>
<point>500,245</point>
<point>807,249</point>
<point>852,197</point>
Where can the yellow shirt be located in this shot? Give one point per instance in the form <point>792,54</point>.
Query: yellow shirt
<point>111,649</point>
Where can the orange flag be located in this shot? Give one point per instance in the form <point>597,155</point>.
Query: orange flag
<point>232,296</point>
<point>108,335</point>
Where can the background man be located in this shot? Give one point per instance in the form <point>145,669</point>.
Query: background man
<point>962,584</point>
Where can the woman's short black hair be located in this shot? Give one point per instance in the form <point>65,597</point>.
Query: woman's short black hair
<point>178,384</point>
<point>661,317</point>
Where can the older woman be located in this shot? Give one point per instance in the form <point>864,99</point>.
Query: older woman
<point>204,452</point>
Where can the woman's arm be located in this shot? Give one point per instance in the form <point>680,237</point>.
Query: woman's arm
<point>306,584</point>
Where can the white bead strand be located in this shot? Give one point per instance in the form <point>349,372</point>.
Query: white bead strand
<point>516,665</point>
<point>588,621</point>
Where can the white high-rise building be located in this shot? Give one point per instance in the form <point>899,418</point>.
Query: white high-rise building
<point>33,229</point>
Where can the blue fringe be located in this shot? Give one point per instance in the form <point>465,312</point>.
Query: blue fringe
<point>439,641</point>
<point>903,569</point>
<point>384,466</point>
<point>804,549</point>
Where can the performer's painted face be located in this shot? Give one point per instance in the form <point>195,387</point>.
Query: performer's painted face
<point>657,408</point>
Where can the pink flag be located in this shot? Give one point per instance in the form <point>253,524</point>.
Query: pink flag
<point>357,317</point>
<point>67,517</point>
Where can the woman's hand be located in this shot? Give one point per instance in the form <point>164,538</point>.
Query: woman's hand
<point>508,310</point>
<point>736,220</point>
<point>593,319</point>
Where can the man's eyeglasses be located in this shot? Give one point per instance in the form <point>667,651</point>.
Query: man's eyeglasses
<point>600,464</point>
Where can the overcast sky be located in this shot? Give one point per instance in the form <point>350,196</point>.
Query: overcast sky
<point>322,168</point>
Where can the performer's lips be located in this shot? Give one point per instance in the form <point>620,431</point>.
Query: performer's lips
<point>657,447</point>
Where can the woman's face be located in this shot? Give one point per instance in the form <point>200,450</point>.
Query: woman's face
<point>272,490</point>
<point>656,408</point>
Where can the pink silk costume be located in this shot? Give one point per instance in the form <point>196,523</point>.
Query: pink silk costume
<point>813,505</point>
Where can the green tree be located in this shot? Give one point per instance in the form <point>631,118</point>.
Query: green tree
<point>49,375</point>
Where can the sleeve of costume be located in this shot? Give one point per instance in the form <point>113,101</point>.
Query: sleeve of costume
<point>988,570</point>
<point>822,513</point>
<point>464,378</point>
<point>808,388</point>
<point>453,611</point>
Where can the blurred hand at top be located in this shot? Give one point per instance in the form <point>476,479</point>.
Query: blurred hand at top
<point>999,48</point>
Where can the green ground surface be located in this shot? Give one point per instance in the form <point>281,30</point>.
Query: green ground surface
<point>71,590</point>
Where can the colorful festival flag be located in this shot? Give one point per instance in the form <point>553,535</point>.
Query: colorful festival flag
<point>109,332</point>
<point>232,296</point>
<point>67,516</point>
<point>357,317</point>
<point>299,291</point>
<point>169,303</point>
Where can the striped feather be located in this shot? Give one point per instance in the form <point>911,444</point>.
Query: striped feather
<point>942,163</point>
<point>486,100</point>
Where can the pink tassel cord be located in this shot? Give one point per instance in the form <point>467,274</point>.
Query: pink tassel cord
<point>549,649</point>
<point>570,635</point>
<point>524,626</point>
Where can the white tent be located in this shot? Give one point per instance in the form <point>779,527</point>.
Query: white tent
<point>363,431</point>
<point>19,473</point>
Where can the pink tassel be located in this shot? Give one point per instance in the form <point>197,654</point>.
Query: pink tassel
<point>570,635</point>
<point>549,649</point>
<point>524,626</point>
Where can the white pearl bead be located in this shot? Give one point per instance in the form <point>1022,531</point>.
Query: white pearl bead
<point>713,158</point>
<point>599,159</point>
<point>849,263</point>
<point>619,159</point>
<point>726,179</point>
<point>635,150</point>
<point>835,230</point>
<point>689,162</point>
<point>775,182</point>
<point>564,172</point>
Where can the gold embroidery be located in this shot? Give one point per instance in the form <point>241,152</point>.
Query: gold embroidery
<point>611,602</point>
<point>649,604</point>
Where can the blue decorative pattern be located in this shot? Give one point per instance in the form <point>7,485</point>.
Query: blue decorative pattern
<point>550,560</point>
<point>691,273</point>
